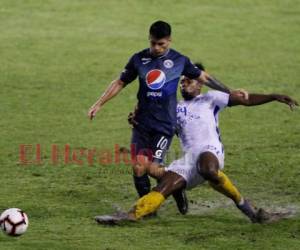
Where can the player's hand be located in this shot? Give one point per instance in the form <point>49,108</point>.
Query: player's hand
<point>287,100</point>
<point>240,92</point>
<point>131,118</point>
<point>204,77</point>
<point>93,110</point>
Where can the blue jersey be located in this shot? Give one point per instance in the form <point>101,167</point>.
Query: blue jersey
<point>158,78</point>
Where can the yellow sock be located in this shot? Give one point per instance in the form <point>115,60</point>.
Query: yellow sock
<point>147,204</point>
<point>227,188</point>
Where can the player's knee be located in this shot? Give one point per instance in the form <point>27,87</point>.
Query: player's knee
<point>209,172</point>
<point>142,160</point>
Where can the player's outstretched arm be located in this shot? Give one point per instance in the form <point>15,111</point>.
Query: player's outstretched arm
<point>258,99</point>
<point>213,83</point>
<point>112,90</point>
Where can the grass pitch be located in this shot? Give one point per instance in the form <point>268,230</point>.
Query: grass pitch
<point>56,59</point>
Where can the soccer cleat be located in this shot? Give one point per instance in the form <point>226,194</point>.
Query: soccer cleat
<point>181,201</point>
<point>263,216</point>
<point>107,219</point>
<point>260,215</point>
<point>114,219</point>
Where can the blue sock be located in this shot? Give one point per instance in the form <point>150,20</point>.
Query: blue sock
<point>248,210</point>
<point>142,184</point>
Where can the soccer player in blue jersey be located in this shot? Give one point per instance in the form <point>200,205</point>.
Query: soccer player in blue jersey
<point>158,69</point>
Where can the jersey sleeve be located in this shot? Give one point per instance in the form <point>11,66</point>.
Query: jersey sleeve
<point>129,73</point>
<point>219,98</point>
<point>190,70</point>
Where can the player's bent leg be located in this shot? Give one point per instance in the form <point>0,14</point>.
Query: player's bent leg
<point>208,166</point>
<point>150,203</point>
<point>160,144</point>
<point>156,171</point>
<point>227,188</point>
<point>175,184</point>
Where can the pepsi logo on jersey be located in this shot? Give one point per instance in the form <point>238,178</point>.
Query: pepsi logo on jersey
<point>155,79</point>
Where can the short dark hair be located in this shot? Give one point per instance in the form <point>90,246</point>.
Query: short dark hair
<point>160,29</point>
<point>199,65</point>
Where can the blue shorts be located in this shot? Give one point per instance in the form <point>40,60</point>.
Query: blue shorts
<point>151,144</point>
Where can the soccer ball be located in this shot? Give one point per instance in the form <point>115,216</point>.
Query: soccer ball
<point>14,222</point>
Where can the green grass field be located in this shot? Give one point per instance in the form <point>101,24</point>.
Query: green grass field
<point>56,59</point>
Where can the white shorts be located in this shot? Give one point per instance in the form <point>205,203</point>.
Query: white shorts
<point>186,166</point>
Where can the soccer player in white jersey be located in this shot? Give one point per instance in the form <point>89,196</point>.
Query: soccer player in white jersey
<point>197,120</point>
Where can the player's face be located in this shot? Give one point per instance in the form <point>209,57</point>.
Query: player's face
<point>189,88</point>
<point>159,46</point>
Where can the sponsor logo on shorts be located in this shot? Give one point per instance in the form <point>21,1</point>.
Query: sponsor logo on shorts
<point>158,154</point>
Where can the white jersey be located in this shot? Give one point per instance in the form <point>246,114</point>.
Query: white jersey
<point>198,122</point>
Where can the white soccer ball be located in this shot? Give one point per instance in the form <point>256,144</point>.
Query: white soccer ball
<point>14,222</point>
